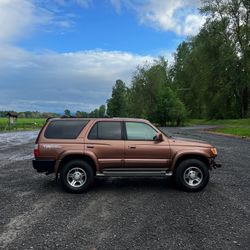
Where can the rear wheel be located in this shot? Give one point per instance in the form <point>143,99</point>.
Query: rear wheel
<point>192,175</point>
<point>77,176</point>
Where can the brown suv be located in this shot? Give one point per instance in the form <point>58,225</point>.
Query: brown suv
<point>79,149</point>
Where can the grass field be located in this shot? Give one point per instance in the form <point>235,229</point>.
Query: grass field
<point>22,124</point>
<point>240,127</point>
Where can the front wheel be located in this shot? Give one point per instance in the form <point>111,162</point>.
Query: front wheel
<point>76,176</point>
<point>192,175</point>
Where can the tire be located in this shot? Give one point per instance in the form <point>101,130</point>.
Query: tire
<point>77,176</point>
<point>192,175</point>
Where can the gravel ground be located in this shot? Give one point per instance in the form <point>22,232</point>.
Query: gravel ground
<point>136,213</point>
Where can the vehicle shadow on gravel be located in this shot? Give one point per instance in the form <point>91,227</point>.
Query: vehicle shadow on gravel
<point>110,184</point>
<point>134,182</point>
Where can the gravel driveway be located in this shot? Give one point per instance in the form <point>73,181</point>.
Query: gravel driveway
<point>123,213</point>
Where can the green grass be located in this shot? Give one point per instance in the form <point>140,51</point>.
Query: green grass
<point>240,127</point>
<point>22,124</point>
<point>240,131</point>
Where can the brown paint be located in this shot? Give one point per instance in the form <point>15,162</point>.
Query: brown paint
<point>162,153</point>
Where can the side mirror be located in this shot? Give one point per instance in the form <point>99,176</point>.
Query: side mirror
<point>158,137</point>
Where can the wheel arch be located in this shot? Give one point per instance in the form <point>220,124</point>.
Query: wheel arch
<point>75,156</point>
<point>186,156</point>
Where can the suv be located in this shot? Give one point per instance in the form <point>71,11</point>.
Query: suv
<point>81,149</point>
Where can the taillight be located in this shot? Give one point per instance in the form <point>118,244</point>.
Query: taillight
<point>36,150</point>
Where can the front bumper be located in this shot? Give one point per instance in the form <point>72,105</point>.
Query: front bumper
<point>213,164</point>
<point>44,165</point>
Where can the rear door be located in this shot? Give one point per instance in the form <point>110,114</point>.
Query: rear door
<point>105,140</point>
<point>141,150</point>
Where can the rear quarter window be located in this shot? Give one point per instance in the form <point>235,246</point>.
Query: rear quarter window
<point>64,129</point>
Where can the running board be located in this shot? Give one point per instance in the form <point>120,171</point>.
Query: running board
<point>136,172</point>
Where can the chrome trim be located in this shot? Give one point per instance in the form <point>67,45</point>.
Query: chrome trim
<point>136,172</point>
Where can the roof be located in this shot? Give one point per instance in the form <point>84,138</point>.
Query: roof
<point>101,119</point>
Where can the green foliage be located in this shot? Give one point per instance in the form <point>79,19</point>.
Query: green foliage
<point>169,108</point>
<point>117,104</point>
<point>99,112</point>
<point>240,131</point>
<point>67,112</point>
<point>102,111</point>
<point>151,96</point>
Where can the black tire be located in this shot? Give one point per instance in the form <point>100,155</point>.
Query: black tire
<point>192,175</point>
<point>79,171</point>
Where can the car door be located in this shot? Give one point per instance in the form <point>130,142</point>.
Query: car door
<point>106,143</point>
<point>141,150</point>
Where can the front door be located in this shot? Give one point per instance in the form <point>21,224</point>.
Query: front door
<point>141,150</point>
<point>106,143</point>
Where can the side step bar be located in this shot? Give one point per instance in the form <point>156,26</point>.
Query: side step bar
<point>136,172</point>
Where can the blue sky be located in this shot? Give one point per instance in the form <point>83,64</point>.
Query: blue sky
<point>58,54</point>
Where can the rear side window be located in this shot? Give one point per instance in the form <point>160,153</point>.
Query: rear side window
<point>65,129</point>
<point>106,131</point>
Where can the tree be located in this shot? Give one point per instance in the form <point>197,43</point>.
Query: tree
<point>117,104</point>
<point>79,113</point>
<point>67,112</point>
<point>102,110</point>
<point>230,20</point>
<point>169,108</point>
<point>152,95</point>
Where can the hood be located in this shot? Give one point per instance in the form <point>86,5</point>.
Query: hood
<point>178,141</point>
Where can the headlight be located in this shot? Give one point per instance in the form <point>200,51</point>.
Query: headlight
<point>214,152</point>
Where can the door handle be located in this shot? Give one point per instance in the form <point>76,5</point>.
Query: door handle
<point>90,146</point>
<point>132,147</point>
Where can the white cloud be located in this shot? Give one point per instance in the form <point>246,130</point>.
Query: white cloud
<point>179,16</point>
<point>51,81</point>
<point>18,18</point>
<point>55,81</point>
<point>192,24</point>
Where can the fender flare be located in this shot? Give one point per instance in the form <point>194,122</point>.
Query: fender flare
<point>79,153</point>
<point>187,154</point>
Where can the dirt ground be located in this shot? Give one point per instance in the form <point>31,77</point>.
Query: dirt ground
<point>123,213</point>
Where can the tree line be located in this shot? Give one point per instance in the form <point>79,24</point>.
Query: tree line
<point>209,78</point>
<point>29,114</point>
<point>98,112</point>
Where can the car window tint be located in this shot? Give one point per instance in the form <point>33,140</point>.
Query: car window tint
<point>140,131</point>
<point>106,131</point>
<point>65,129</point>
<point>93,132</point>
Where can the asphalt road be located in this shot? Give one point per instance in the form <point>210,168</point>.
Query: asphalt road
<point>139,213</point>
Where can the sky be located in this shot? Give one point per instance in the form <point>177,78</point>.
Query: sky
<point>67,54</point>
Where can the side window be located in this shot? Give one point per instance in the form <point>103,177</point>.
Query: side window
<point>140,131</point>
<point>64,129</point>
<point>106,131</point>
<point>93,133</point>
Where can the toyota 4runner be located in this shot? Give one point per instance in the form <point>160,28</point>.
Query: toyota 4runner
<point>81,149</point>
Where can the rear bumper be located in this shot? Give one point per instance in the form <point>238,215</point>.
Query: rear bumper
<point>44,165</point>
<point>213,164</point>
